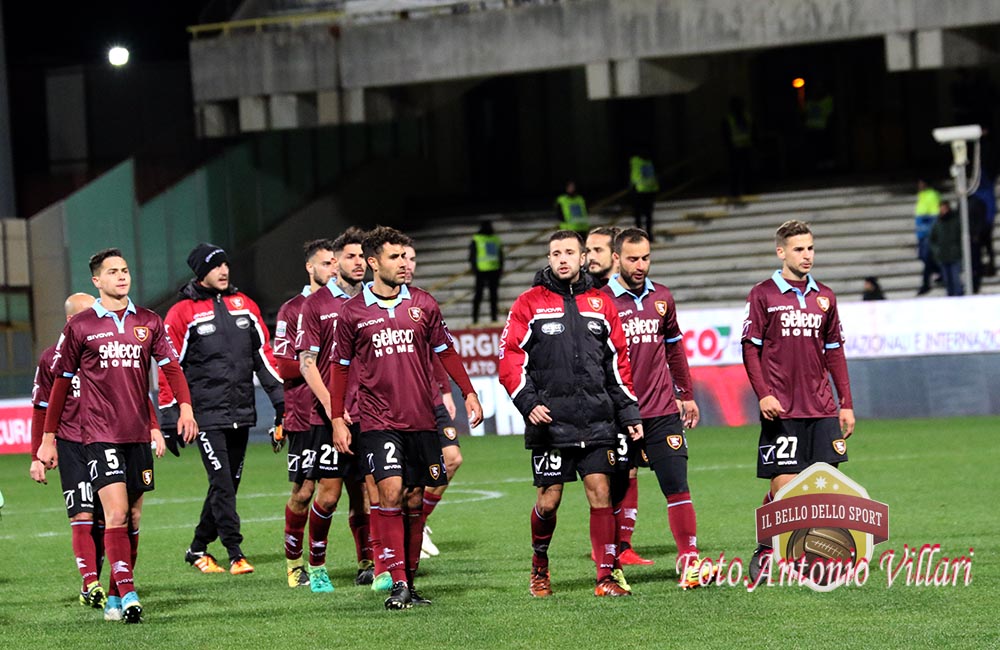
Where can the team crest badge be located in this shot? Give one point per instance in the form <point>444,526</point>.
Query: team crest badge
<point>450,433</point>
<point>147,476</point>
<point>237,302</point>
<point>611,457</point>
<point>596,303</point>
<point>435,471</point>
<point>414,313</point>
<point>661,307</point>
<point>840,446</point>
<point>675,441</point>
<point>141,333</point>
<point>823,302</point>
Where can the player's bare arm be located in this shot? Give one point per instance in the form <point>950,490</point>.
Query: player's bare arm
<point>341,436</point>
<point>187,427</point>
<point>690,413</point>
<point>47,451</point>
<point>473,409</point>
<point>540,415</point>
<point>37,472</point>
<point>310,372</point>
<point>847,422</point>
<point>449,404</point>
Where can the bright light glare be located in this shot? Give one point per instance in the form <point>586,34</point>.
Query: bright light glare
<point>797,82</point>
<point>118,56</point>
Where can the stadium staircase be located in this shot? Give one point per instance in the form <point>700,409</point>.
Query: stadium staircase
<point>708,251</point>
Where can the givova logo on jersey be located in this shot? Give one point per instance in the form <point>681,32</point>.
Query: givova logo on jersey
<point>392,341</point>
<point>116,354</point>
<point>800,323</point>
<point>641,330</point>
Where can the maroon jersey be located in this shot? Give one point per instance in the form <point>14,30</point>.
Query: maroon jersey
<point>316,333</point>
<point>113,357</point>
<point>650,324</point>
<point>69,423</point>
<point>392,340</point>
<point>793,330</point>
<point>298,397</point>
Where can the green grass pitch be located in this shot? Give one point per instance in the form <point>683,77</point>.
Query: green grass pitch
<point>939,478</point>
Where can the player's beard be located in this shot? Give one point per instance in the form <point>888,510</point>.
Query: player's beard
<point>600,273</point>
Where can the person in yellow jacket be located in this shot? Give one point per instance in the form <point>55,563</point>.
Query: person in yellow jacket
<point>925,213</point>
<point>486,259</point>
<point>645,186</point>
<point>571,211</point>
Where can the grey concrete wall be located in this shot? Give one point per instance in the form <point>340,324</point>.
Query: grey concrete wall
<point>568,34</point>
<point>48,260</point>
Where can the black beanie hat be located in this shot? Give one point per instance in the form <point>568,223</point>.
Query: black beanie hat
<point>206,257</point>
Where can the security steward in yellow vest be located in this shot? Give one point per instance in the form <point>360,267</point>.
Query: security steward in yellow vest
<point>645,186</point>
<point>571,211</point>
<point>486,260</point>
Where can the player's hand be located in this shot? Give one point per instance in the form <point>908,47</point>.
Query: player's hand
<point>771,408</point>
<point>37,472</point>
<point>474,410</point>
<point>342,437</point>
<point>540,415</point>
<point>690,415</point>
<point>187,427</point>
<point>449,404</point>
<point>277,435</point>
<point>47,451</point>
<point>348,420</point>
<point>157,442</point>
<point>635,431</point>
<point>847,422</point>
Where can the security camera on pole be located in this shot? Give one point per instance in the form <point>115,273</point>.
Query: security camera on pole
<point>957,137</point>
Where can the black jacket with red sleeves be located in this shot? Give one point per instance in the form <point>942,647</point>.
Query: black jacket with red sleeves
<point>222,342</point>
<point>564,348</point>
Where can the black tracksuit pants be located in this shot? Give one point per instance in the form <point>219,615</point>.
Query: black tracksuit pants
<point>222,453</point>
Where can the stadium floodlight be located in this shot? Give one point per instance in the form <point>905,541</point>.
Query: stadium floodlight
<point>118,56</point>
<point>957,136</point>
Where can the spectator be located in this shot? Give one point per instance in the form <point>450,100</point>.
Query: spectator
<point>925,214</point>
<point>946,247</point>
<point>486,259</point>
<point>979,233</point>
<point>872,290</point>
<point>571,211</point>
<point>644,189</point>
<point>985,194</point>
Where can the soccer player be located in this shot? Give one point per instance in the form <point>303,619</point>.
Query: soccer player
<point>792,345</point>
<point>85,517</point>
<point>330,469</point>
<point>602,265</point>
<point>390,330</point>
<point>112,345</point>
<point>564,362</point>
<point>444,414</point>
<point>320,267</point>
<point>223,342</point>
<point>659,363</point>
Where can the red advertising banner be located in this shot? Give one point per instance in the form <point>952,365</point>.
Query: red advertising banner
<point>15,426</point>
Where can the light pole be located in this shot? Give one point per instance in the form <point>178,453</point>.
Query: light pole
<point>957,137</point>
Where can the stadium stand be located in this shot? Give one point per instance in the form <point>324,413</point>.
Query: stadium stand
<point>708,261</point>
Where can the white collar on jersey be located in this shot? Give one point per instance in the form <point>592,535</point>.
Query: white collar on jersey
<point>306,291</point>
<point>102,311</point>
<point>784,286</point>
<point>335,289</point>
<point>371,298</point>
<point>618,289</point>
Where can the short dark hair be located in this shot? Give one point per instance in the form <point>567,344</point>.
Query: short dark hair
<point>567,234</point>
<point>630,235</point>
<point>97,259</point>
<point>310,248</point>
<point>791,228</point>
<point>352,235</point>
<point>379,236</point>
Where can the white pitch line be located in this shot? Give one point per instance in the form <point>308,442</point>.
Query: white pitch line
<point>476,496</point>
